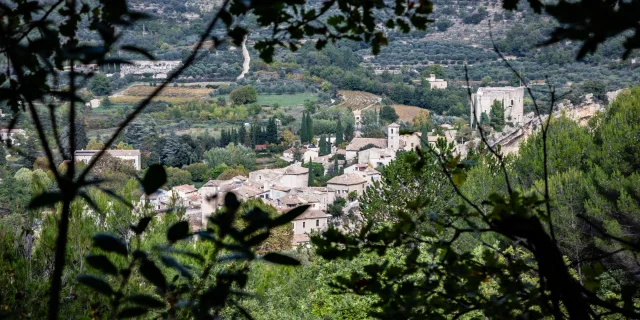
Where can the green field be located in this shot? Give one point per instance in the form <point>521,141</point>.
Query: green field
<point>286,99</point>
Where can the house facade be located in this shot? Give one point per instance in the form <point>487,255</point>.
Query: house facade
<point>307,223</point>
<point>132,157</point>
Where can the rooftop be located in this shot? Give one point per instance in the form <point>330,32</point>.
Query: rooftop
<point>312,214</point>
<point>347,179</point>
<point>115,153</point>
<point>358,143</point>
<point>185,188</point>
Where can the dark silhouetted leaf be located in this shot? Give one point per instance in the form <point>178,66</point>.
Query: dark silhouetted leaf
<point>102,263</point>
<point>280,259</point>
<point>150,272</point>
<point>132,312</point>
<point>289,216</point>
<point>110,243</point>
<point>178,231</point>
<point>172,263</point>
<point>47,199</point>
<point>141,226</point>
<point>155,178</point>
<point>147,301</point>
<point>96,284</point>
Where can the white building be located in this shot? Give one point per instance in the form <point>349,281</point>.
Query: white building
<point>512,98</point>
<point>6,134</point>
<point>436,83</point>
<point>365,171</point>
<point>293,176</point>
<point>140,67</point>
<point>308,222</point>
<point>376,157</point>
<point>358,143</point>
<point>93,103</point>
<point>129,156</point>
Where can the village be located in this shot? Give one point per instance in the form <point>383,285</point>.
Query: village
<point>357,167</point>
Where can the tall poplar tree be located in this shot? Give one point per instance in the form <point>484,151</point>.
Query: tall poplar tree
<point>323,145</point>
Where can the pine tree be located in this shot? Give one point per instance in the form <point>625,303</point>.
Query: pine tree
<point>339,133</point>
<point>310,172</point>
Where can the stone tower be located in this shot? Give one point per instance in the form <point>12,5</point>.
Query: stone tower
<point>393,136</point>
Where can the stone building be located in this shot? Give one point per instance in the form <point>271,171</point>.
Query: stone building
<point>129,156</point>
<point>346,183</point>
<point>365,171</point>
<point>308,222</point>
<point>435,83</point>
<point>512,98</point>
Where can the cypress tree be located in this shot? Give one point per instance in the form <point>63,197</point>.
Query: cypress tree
<point>309,128</point>
<point>303,128</point>
<point>242,136</point>
<point>335,165</point>
<point>339,133</point>
<point>254,135</point>
<point>323,146</point>
<point>310,172</point>
<point>272,131</point>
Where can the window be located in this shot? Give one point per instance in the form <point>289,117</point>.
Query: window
<point>511,102</point>
<point>317,223</point>
<point>412,145</point>
<point>391,130</point>
<point>303,224</point>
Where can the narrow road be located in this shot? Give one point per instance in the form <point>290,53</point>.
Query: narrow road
<point>247,59</point>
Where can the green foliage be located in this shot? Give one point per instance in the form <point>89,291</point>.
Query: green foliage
<point>496,115</point>
<point>100,85</point>
<point>198,171</point>
<point>236,236</point>
<point>388,113</point>
<point>177,177</point>
<point>243,95</point>
<point>232,155</point>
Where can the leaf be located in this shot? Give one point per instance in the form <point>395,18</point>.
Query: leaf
<point>172,263</point>
<point>132,312</point>
<point>46,199</point>
<point>178,231</point>
<point>150,272</point>
<point>147,301</point>
<point>141,226</point>
<point>280,259</point>
<point>155,178</point>
<point>102,263</point>
<point>289,216</point>
<point>110,243</point>
<point>95,283</point>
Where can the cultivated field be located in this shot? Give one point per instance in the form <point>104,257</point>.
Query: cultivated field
<point>134,94</point>
<point>407,113</point>
<point>356,100</point>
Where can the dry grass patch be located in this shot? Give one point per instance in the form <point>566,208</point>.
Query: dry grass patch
<point>143,91</point>
<point>136,99</point>
<point>356,100</point>
<point>407,113</point>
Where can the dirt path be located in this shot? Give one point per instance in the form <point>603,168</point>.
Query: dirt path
<point>247,59</point>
